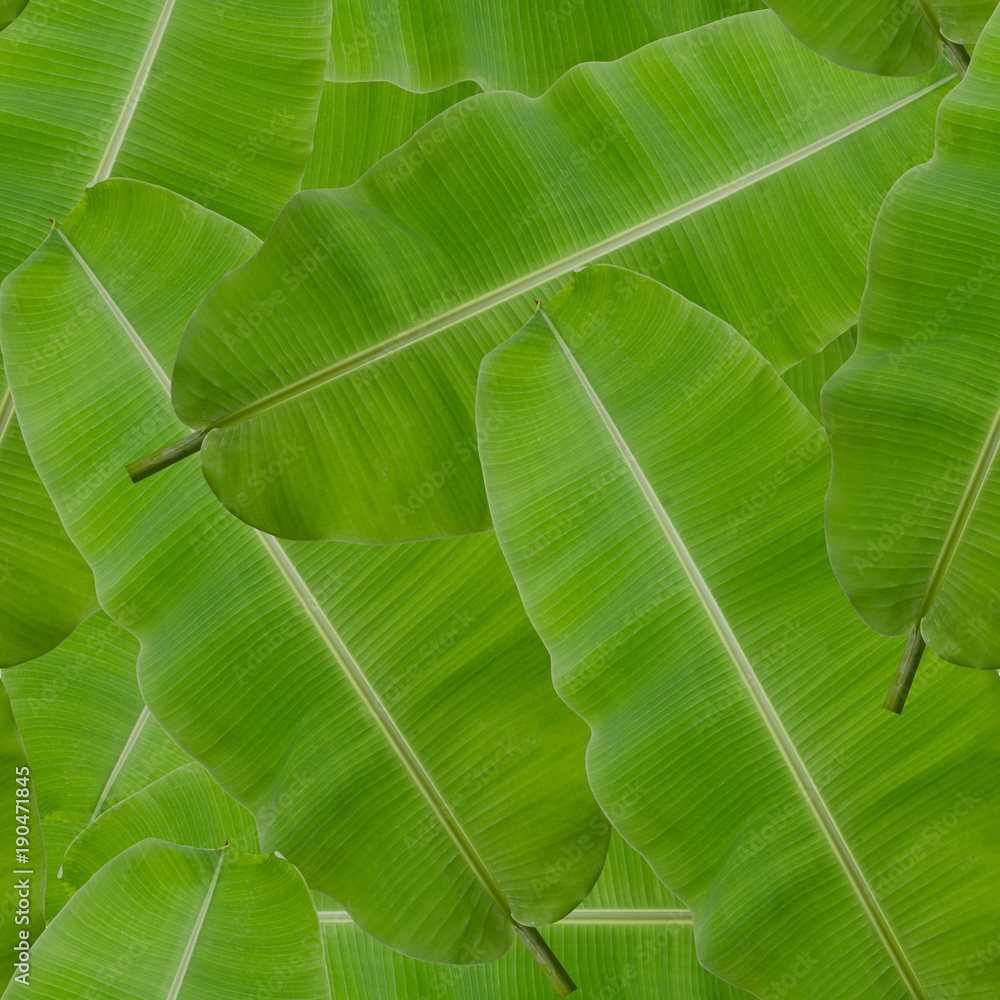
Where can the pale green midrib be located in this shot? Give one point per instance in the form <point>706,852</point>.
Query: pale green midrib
<point>555,270</point>
<point>120,763</point>
<point>970,497</point>
<point>587,917</point>
<point>118,314</point>
<point>384,720</point>
<point>6,412</point>
<point>340,652</point>
<point>175,987</point>
<point>758,695</point>
<point>114,145</point>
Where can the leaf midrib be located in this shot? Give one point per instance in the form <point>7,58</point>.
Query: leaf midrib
<point>117,137</point>
<point>175,986</point>
<point>772,721</point>
<point>338,649</point>
<point>966,506</point>
<point>557,269</point>
<point>127,749</point>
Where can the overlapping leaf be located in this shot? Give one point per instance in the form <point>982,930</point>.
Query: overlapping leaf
<point>894,37</point>
<point>658,493</point>
<point>183,807</point>
<point>178,922</point>
<point>630,937</point>
<point>516,45</point>
<point>807,378</point>
<point>359,123</point>
<point>356,333</point>
<point>88,735</point>
<point>915,415</point>
<point>216,101</point>
<point>46,589</point>
<point>385,713</point>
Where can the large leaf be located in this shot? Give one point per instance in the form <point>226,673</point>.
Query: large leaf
<point>658,493</point>
<point>22,896</point>
<point>183,807</point>
<point>355,335</point>
<point>386,713</point>
<point>912,513</point>
<point>630,937</point>
<point>216,101</point>
<point>894,37</point>
<point>501,44</point>
<point>46,589</point>
<point>88,734</point>
<point>359,123</point>
<point>178,922</point>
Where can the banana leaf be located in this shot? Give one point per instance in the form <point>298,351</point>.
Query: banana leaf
<point>630,937</point>
<point>891,37</point>
<point>386,713</point>
<point>519,45</point>
<point>913,417</point>
<point>216,101</point>
<point>183,807</point>
<point>46,589</point>
<point>807,378</point>
<point>355,335</point>
<point>178,922</point>
<point>359,123</point>
<point>89,737</point>
<point>658,493</point>
<point>9,10</point>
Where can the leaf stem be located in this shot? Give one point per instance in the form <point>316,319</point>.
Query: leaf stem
<point>915,646</point>
<point>165,456</point>
<point>956,53</point>
<point>544,956</point>
<point>958,56</point>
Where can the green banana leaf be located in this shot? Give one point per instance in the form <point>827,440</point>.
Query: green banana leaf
<point>807,378</point>
<point>46,589</point>
<point>630,937</point>
<point>518,45</point>
<point>666,534</point>
<point>913,416</point>
<point>385,713</point>
<point>183,807</point>
<point>9,10</point>
<point>22,896</point>
<point>177,922</point>
<point>359,123</point>
<point>89,737</point>
<point>216,101</point>
<point>356,333</point>
<point>891,37</point>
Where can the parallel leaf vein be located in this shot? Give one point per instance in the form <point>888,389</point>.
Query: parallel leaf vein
<point>114,146</point>
<point>339,650</point>
<point>527,282</point>
<point>758,695</point>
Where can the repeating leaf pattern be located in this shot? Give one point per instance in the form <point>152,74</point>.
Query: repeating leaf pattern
<point>426,775</point>
<point>912,510</point>
<point>666,535</point>
<point>519,45</point>
<point>215,101</point>
<point>437,253</point>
